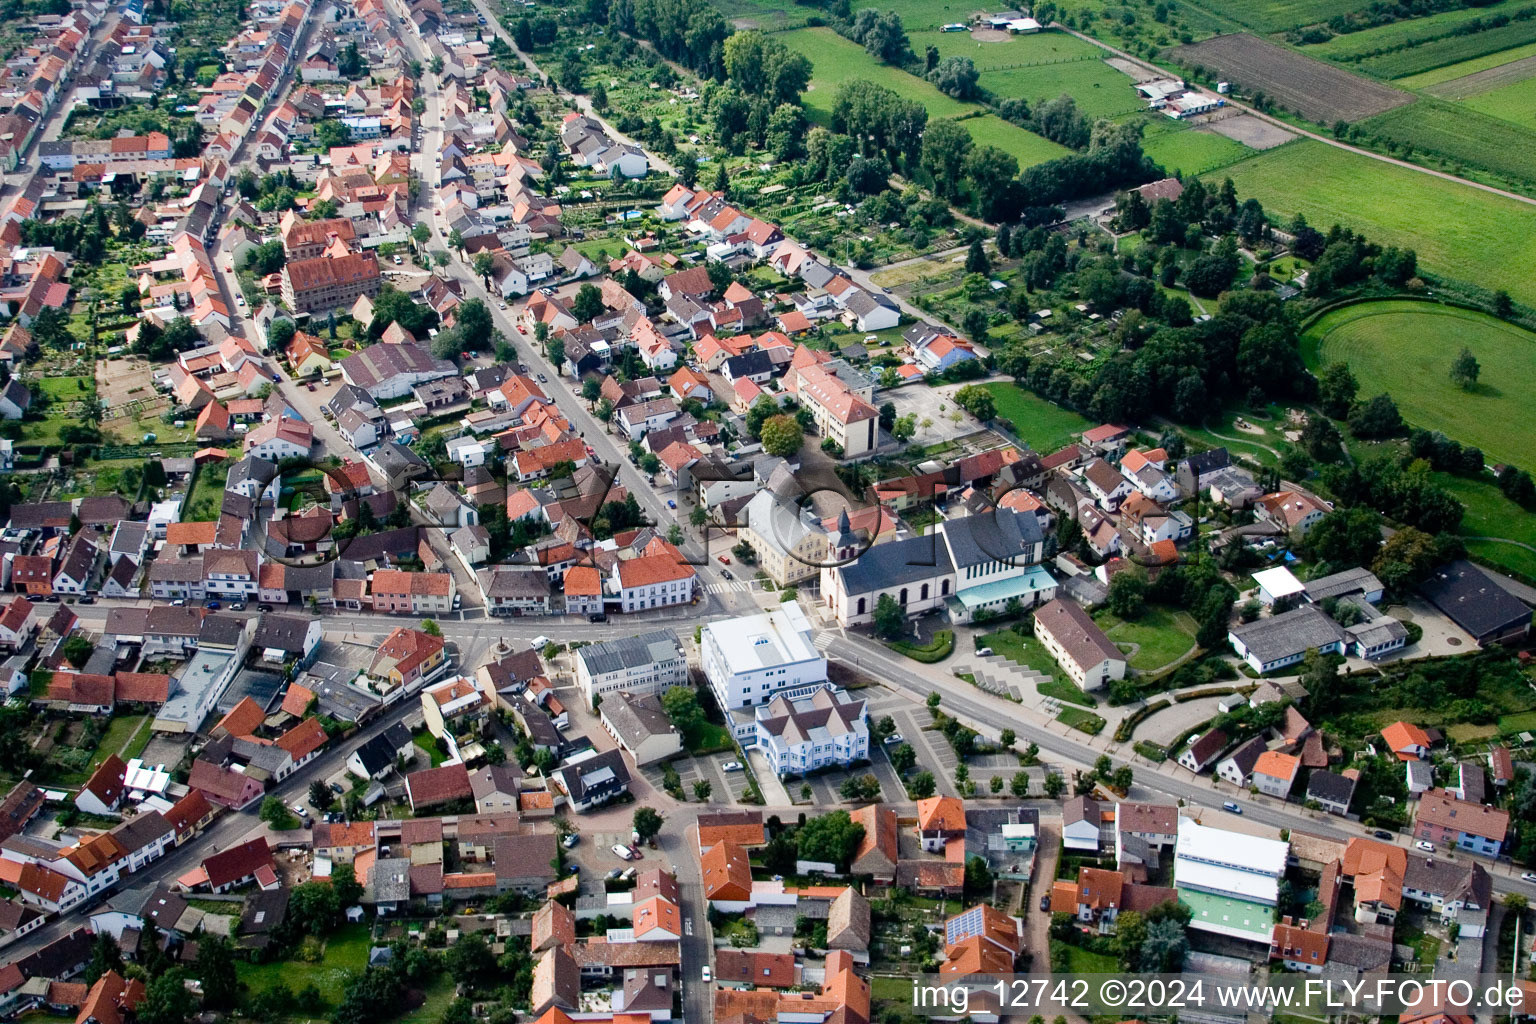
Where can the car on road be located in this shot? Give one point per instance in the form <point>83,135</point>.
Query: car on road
<point>1230,806</point>
<point>1382,833</point>
<point>621,851</point>
<point>1529,876</point>
<point>1425,845</point>
<point>731,766</point>
<point>706,975</point>
<point>570,841</point>
<point>543,379</point>
<point>503,305</point>
<point>671,503</point>
<point>726,574</point>
<point>724,560</point>
<point>1045,901</point>
<point>541,642</point>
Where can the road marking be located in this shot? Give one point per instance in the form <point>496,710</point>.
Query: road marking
<point>824,640</point>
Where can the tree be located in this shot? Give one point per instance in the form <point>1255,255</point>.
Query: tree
<point>701,790</point>
<point>682,706</point>
<point>557,353</point>
<point>977,401</point>
<point>588,305</point>
<point>431,628</point>
<point>1007,738</point>
<point>903,758</point>
<point>890,618</point>
<point>976,261</point>
<point>1128,594</point>
<point>1019,787</point>
<point>471,963</point>
<point>313,908</point>
<point>1376,417</point>
<point>921,786</point>
<point>276,814</point>
<point>833,838</point>
<point>420,233</point>
<point>483,264</point>
<point>166,1000</point>
<point>320,795</point>
<point>78,650</point>
<point>1054,784</point>
<point>945,146</point>
<point>1120,779</point>
<point>782,436</point>
<point>1165,946</point>
<point>1464,370</point>
<point>349,891</point>
<point>215,968</point>
<point>904,428</point>
<point>647,822</point>
<point>1336,387</point>
<point>105,956</point>
<point>978,877</point>
<point>956,76</point>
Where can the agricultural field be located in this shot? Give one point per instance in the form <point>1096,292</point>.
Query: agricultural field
<point>1457,231</point>
<point>836,60</point>
<point>1278,15</point>
<point>1183,149</point>
<point>1515,103</point>
<point>1406,348</point>
<point>1041,48</point>
<point>1450,50</point>
<point>1317,91</point>
<point>1463,69</point>
<point>1491,79</point>
<point>1466,136</point>
<point>1352,46</point>
<point>763,14</point>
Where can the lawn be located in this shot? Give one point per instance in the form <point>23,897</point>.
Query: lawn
<point>1451,72</point>
<point>207,495</point>
<point>1458,231</point>
<point>427,744</point>
<point>711,739</point>
<point>346,954</point>
<point>439,993</point>
<point>1406,348</point>
<point>121,731</point>
<point>1027,651</point>
<point>1084,961</point>
<point>1428,946</point>
<point>1098,89</point>
<point>1043,425</point>
<point>1188,151</point>
<point>837,60</point>
<point>1162,636</point>
<point>1025,147</point>
<point>897,990</point>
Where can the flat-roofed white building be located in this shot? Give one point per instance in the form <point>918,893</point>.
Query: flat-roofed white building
<point>1229,880</point>
<point>753,658</point>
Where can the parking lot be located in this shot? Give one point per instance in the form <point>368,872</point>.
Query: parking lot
<point>725,787</point>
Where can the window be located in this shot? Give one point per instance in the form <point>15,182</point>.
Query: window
<point>924,593</point>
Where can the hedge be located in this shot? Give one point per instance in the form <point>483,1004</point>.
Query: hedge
<point>1127,727</point>
<point>943,646</point>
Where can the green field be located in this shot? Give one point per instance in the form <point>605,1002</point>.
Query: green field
<point>1098,89</point>
<point>1467,67</point>
<point>1161,636</point>
<point>1185,150</point>
<point>1025,147</point>
<point>1515,102</point>
<point>1406,348</point>
<point>1450,50</point>
<point>346,954</point>
<point>836,60</point>
<point>1490,515</point>
<point>1044,48</point>
<point>1501,143</point>
<point>1044,426</point>
<point>1350,45</point>
<point>1457,231</point>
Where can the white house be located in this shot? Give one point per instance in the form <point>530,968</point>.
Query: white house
<point>1078,644</point>
<point>803,734</point>
<point>751,659</point>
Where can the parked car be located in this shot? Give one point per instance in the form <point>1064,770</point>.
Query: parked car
<point>541,642</point>
<point>621,851</point>
<point>1425,845</point>
<point>706,975</point>
<point>1045,901</point>
<point>1529,876</point>
<point>336,788</point>
<point>671,503</point>
<point>598,617</point>
<point>1230,806</point>
<point>724,560</point>
<point>570,841</point>
<point>267,608</point>
<point>87,599</point>
<point>1382,833</point>
<point>731,766</point>
<point>894,737</point>
<point>214,606</point>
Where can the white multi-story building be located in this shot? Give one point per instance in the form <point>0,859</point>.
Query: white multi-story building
<point>654,581</point>
<point>753,658</point>
<point>649,663</point>
<point>804,734</point>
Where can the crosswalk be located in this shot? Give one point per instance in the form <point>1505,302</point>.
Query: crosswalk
<point>824,640</point>
<point>736,586</point>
